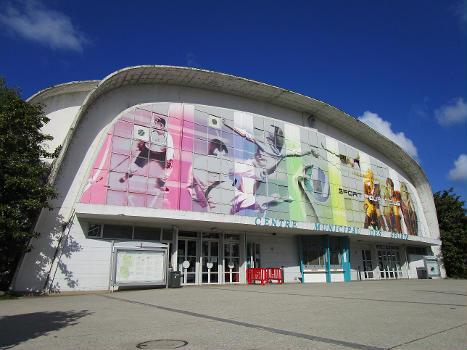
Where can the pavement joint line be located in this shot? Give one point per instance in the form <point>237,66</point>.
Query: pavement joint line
<point>427,336</point>
<point>435,291</point>
<point>251,325</point>
<point>340,297</point>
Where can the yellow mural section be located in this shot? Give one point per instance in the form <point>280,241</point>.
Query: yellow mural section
<point>335,178</point>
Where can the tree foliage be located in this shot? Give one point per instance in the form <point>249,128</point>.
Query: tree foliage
<point>453,229</point>
<point>24,191</point>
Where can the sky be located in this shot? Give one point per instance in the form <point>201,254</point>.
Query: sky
<point>398,66</point>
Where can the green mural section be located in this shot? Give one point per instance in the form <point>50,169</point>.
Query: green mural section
<point>294,171</point>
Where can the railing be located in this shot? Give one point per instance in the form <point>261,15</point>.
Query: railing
<point>264,275</point>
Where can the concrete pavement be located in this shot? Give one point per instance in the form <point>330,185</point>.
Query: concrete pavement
<point>402,314</point>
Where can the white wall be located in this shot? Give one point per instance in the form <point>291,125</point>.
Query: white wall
<point>84,264</point>
<point>337,277</point>
<point>61,110</point>
<point>414,262</point>
<point>278,251</point>
<point>315,277</point>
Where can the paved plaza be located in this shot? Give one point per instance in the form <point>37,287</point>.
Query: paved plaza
<point>401,314</point>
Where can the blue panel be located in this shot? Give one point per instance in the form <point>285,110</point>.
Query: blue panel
<point>300,254</point>
<point>327,257</point>
<point>346,258</point>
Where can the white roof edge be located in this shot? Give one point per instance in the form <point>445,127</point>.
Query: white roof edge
<point>224,83</point>
<point>66,88</point>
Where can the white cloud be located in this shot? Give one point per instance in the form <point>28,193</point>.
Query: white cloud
<point>191,60</point>
<point>384,128</point>
<point>452,113</point>
<point>461,11</point>
<point>459,172</point>
<point>31,20</point>
<point>420,109</point>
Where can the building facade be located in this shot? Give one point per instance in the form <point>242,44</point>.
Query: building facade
<point>225,174</point>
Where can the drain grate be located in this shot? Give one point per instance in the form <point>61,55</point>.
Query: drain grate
<point>160,344</point>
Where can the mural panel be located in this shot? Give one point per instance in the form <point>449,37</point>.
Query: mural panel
<point>209,159</point>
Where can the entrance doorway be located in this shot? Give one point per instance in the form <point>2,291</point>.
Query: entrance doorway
<point>210,258</point>
<point>231,258</point>
<point>253,255</point>
<point>367,264</point>
<point>389,262</point>
<point>187,260</point>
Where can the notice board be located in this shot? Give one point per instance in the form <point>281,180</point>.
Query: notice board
<point>139,266</point>
<point>134,266</point>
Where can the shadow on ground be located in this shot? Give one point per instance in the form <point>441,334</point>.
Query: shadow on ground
<point>16,329</point>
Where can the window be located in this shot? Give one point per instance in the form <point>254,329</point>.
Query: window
<point>94,230</point>
<point>253,254</point>
<point>314,251</point>
<point>230,237</point>
<point>117,232</point>
<point>210,235</point>
<point>147,233</point>
<point>140,233</point>
<point>416,250</point>
<point>188,234</point>
<point>335,251</point>
<point>166,234</point>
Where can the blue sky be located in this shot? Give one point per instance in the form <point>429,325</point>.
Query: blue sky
<point>400,66</point>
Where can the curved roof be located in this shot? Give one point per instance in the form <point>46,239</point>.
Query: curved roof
<point>66,88</point>
<point>233,85</point>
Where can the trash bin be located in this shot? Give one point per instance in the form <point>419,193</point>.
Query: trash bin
<point>421,273</point>
<point>175,279</point>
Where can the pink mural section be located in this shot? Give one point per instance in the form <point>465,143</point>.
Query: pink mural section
<point>145,161</point>
<point>186,157</point>
<point>175,122</point>
<point>96,186</point>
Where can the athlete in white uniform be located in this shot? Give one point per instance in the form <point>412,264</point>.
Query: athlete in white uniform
<point>160,150</point>
<point>248,175</point>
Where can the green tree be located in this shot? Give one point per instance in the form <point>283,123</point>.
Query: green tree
<point>24,191</point>
<point>453,230</point>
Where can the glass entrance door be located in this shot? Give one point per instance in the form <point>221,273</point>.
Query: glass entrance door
<point>367,264</point>
<point>210,261</point>
<point>389,262</point>
<point>231,262</point>
<point>253,255</point>
<point>187,260</point>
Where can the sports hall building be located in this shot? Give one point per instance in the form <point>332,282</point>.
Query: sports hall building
<point>179,169</point>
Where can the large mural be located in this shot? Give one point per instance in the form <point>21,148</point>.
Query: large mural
<point>209,159</point>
